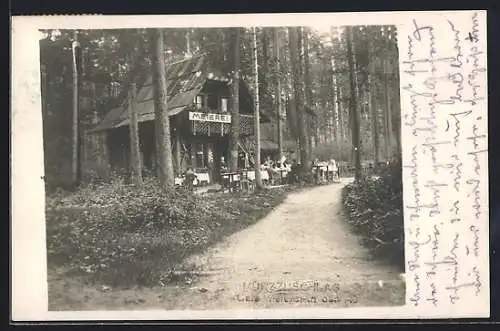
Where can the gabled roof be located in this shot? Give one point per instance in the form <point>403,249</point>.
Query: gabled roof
<point>184,80</point>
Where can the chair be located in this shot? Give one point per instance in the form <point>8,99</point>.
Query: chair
<point>245,183</point>
<point>274,176</point>
<point>235,182</point>
<point>226,183</point>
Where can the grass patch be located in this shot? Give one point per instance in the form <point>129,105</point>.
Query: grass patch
<point>124,236</point>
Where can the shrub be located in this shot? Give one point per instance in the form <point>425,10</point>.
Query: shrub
<point>124,235</point>
<point>374,209</point>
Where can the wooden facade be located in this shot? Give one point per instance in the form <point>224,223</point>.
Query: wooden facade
<point>200,120</point>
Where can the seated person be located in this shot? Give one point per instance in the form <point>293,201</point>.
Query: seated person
<point>332,167</point>
<point>272,173</point>
<point>190,177</point>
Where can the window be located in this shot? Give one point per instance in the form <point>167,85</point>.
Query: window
<point>223,105</point>
<point>212,101</point>
<point>198,102</point>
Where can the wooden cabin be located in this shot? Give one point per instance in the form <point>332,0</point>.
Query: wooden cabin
<point>199,108</point>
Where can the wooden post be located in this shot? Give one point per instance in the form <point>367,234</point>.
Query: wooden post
<point>258,179</point>
<point>75,160</point>
<point>193,154</point>
<point>210,161</point>
<point>135,151</point>
<point>203,153</point>
<point>217,165</point>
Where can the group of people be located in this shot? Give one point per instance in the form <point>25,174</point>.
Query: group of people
<point>321,170</point>
<point>276,169</point>
<point>325,170</point>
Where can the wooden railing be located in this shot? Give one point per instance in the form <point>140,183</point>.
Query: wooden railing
<point>215,128</point>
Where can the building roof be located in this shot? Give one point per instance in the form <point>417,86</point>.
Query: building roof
<point>184,80</point>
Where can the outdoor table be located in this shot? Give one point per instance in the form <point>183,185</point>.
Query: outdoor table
<point>231,177</point>
<point>264,175</point>
<point>178,180</point>
<point>203,177</point>
<point>320,170</point>
<point>181,180</point>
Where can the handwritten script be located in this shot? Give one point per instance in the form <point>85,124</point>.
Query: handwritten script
<point>444,102</point>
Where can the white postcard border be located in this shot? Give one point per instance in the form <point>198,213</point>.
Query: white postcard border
<point>29,278</point>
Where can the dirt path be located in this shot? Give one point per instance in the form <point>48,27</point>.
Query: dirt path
<point>300,254</point>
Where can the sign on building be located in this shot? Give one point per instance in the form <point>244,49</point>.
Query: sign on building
<point>208,117</point>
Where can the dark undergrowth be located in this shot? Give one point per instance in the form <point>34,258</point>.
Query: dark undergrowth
<point>374,210</point>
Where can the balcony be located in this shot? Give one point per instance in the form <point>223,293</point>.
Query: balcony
<point>215,123</point>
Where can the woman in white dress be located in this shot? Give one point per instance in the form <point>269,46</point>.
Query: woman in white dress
<point>332,166</point>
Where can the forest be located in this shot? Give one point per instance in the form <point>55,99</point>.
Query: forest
<point>346,77</point>
<point>333,94</point>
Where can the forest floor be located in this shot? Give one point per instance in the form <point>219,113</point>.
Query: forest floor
<point>302,254</point>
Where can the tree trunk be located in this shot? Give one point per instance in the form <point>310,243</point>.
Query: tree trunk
<point>396,107</point>
<point>355,120</point>
<point>264,86</point>
<point>75,160</point>
<point>135,151</point>
<point>258,179</point>
<point>162,120</point>
<point>333,89</point>
<point>308,92</point>
<point>188,43</point>
<point>178,146</point>
<point>235,111</point>
<point>99,138</point>
<point>388,112</point>
<point>372,104</point>
<point>277,92</point>
<point>397,110</point>
<point>340,116</point>
<point>295,55</point>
